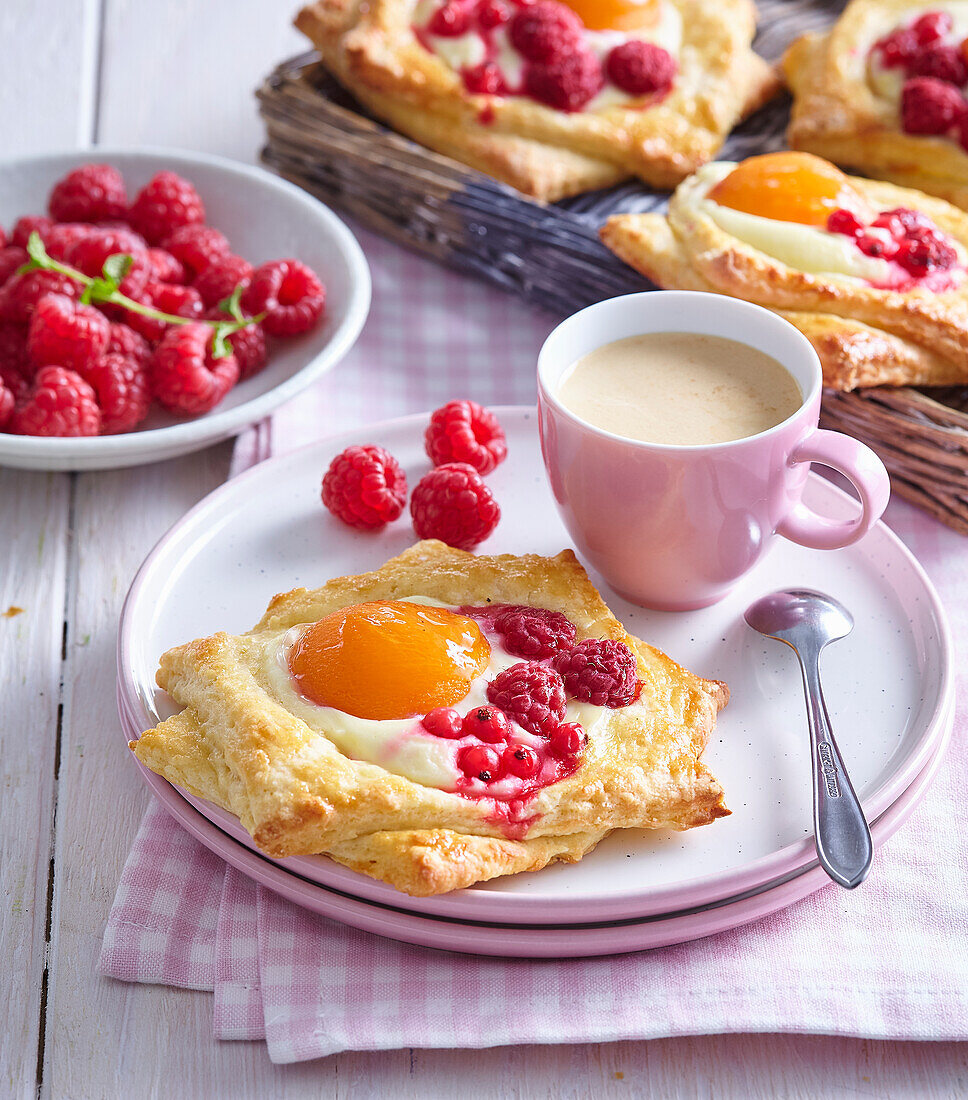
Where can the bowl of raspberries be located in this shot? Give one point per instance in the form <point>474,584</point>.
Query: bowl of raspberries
<point>154,303</point>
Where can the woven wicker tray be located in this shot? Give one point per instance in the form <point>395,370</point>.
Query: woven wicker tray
<point>318,137</point>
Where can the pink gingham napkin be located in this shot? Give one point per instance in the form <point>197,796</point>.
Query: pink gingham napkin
<point>887,961</point>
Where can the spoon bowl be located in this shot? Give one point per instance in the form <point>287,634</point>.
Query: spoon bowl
<point>798,613</point>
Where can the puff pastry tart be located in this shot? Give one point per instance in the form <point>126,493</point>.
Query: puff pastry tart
<point>554,98</point>
<point>443,720</point>
<point>884,92</point>
<point>871,273</point>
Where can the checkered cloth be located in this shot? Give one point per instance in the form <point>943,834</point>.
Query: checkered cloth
<point>888,961</point>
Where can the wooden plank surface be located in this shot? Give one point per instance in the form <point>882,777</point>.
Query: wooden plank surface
<point>181,74</point>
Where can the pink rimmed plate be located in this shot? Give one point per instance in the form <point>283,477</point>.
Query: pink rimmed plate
<point>887,684</point>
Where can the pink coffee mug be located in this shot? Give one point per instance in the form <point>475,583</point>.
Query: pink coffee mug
<point>675,527</point>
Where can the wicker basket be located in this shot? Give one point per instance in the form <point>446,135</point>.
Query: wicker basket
<point>319,138</point>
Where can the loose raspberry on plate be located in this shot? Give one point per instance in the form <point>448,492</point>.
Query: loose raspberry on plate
<point>487,724</point>
<point>185,377</point>
<point>123,392</point>
<point>59,403</point>
<point>942,62</point>
<point>123,340</point>
<point>91,193</point>
<point>165,268</point>
<point>532,694</point>
<point>12,258</point>
<point>566,83</point>
<point>64,333</point>
<point>365,487</point>
<point>641,68</point>
<point>463,431</point>
<point>23,227</point>
<point>533,632</point>
<point>450,21</point>
<point>197,246</point>
<point>22,293</point>
<point>599,671</point>
<point>444,722</point>
<point>217,281</point>
<point>248,345</point>
<point>453,504</point>
<point>164,204</point>
<point>290,295</point>
<point>545,31</point>
<point>930,106</point>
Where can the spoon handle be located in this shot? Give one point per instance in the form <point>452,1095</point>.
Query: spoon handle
<point>843,837</point>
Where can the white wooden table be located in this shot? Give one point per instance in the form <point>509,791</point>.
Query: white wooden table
<point>180,73</point>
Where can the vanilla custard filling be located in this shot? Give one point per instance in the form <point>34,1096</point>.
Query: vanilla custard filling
<point>401,745</point>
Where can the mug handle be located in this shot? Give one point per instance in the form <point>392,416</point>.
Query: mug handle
<point>862,468</point>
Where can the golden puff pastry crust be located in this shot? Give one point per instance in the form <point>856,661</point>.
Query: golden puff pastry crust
<point>864,336</point>
<point>548,154</point>
<point>837,113</point>
<point>234,744</point>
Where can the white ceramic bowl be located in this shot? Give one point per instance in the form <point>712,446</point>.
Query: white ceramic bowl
<point>265,218</point>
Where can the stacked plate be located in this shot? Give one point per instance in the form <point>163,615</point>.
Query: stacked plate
<point>888,686</point>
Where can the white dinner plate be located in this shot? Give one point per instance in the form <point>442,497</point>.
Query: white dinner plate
<point>264,218</point>
<point>887,683</point>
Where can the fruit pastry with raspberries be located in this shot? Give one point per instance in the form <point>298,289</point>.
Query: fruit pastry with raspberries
<point>871,273</point>
<point>884,92</point>
<point>554,97</point>
<point>443,720</point>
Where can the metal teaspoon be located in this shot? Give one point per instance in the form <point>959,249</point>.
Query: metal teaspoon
<point>807,621</point>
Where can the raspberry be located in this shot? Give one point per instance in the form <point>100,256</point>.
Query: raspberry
<point>64,333</point>
<point>905,218</point>
<point>485,79</point>
<point>567,83</point>
<point>186,378</point>
<point>180,301</point>
<point>164,204</point>
<point>897,48</point>
<point>567,740</point>
<point>61,239</point>
<point>12,258</point>
<point>449,21</point>
<point>89,252</point>
<point>123,392</point>
<point>132,345</point>
<point>165,268</point>
<point>480,762</point>
<point>843,221</point>
<point>931,26</point>
<point>599,671</point>
<point>60,402</point>
<point>444,722</point>
<point>13,351</point>
<point>365,487</point>
<point>248,345</point>
<point>91,193</point>
<point>7,403</point>
<point>520,760</point>
<point>22,293</point>
<point>487,724</point>
<point>463,431</point>
<point>221,277</point>
<point>290,295</point>
<point>941,62</point>
<point>533,631</point>
<point>532,694</point>
<point>197,246</point>
<point>3,238</point>
<point>453,504</point>
<point>18,384</point>
<point>493,13</point>
<point>641,68</point>
<point>23,227</point>
<point>545,31</point>
<point>925,250</point>
<point>930,106</point>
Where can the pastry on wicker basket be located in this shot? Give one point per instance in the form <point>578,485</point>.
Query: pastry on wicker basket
<point>873,274</point>
<point>531,95</point>
<point>354,721</point>
<point>883,92</point>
